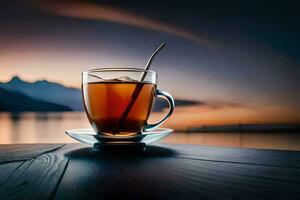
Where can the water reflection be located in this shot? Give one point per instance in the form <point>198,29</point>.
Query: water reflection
<point>287,141</point>
<point>50,127</point>
<point>39,127</point>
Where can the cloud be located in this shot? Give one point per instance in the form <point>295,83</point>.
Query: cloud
<point>103,12</point>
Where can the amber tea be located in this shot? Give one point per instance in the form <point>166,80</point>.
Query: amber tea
<point>118,101</point>
<point>105,103</point>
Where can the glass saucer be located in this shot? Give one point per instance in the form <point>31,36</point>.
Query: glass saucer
<point>90,137</point>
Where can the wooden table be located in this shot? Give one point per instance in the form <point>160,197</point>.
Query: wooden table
<point>163,171</point>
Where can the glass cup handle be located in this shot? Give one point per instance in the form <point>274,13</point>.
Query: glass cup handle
<point>167,96</point>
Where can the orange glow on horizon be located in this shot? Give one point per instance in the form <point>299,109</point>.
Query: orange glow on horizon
<point>197,116</point>
<point>225,114</point>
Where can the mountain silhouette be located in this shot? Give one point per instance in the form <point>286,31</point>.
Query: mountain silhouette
<point>46,91</point>
<point>56,93</point>
<point>12,101</point>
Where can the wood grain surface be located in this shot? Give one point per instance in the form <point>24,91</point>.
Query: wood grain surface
<point>162,171</point>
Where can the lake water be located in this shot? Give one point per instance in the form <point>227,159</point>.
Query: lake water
<point>50,127</point>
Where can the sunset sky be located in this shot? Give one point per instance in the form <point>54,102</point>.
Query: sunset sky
<point>242,59</point>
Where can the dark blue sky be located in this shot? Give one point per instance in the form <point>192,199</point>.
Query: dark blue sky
<point>254,59</point>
